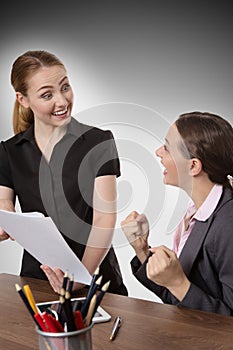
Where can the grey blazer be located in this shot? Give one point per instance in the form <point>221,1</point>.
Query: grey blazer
<point>207,260</point>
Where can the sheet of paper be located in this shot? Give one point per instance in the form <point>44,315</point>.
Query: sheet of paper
<point>40,237</point>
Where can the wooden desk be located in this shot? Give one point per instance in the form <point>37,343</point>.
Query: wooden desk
<point>146,325</point>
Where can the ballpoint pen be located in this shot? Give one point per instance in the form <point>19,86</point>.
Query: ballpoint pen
<point>115,328</point>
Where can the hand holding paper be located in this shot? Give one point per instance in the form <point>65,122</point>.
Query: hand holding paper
<point>40,237</point>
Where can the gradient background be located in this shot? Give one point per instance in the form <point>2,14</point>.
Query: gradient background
<point>134,67</point>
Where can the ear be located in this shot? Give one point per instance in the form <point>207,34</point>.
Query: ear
<point>23,100</point>
<point>195,167</point>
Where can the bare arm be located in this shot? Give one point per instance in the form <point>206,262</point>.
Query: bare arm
<point>6,203</point>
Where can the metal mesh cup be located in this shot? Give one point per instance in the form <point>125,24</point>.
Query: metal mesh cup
<point>77,340</point>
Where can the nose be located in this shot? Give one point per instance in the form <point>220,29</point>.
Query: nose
<point>159,151</point>
<point>60,100</point>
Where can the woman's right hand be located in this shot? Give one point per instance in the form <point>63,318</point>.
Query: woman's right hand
<point>136,229</point>
<point>3,235</point>
<point>8,205</point>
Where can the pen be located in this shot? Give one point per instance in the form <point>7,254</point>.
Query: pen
<point>115,328</point>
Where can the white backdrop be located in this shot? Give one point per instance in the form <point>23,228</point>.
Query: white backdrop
<point>134,67</point>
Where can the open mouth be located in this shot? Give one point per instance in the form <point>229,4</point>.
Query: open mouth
<point>60,113</point>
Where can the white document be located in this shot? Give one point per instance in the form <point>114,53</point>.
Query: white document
<point>40,237</point>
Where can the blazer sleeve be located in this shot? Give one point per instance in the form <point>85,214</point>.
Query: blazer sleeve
<point>139,271</point>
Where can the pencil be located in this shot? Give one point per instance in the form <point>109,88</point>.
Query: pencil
<point>68,312</point>
<point>91,310</point>
<point>69,288</point>
<point>64,284</point>
<point>30,297</point>
<point>94,288</point>
<point>62,293</point>
<point>27,304</point>
<point>25,300</point>
<point>94,278</point>
<point>101,295</point>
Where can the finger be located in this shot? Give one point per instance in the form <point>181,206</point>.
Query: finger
<point>52,277</point>
<point>131,228</point>
<point>163,249</point>
<point>141,218</point>
<point>132,216</point>
<point>59,273</point>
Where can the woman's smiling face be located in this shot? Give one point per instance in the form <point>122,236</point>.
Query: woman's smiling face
<point>177,167</point>
<point>49,96</point>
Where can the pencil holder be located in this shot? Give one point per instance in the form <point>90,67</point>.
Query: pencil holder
<point>77,340</point>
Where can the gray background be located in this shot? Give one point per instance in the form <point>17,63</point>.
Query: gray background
<point>134,66</point>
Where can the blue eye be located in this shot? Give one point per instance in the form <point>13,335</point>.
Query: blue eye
<point>66,87</point>
<point>47,96</point>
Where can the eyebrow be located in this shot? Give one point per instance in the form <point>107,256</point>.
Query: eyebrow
<point>50,86</point>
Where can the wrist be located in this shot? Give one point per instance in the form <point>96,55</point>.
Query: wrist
<point>142,254</point>
<point>180,288</point>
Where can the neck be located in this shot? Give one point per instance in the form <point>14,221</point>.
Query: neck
<point>47,137</point>
<point>201,187</point>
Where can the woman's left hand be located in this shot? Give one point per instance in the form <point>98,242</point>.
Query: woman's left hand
<point>164,269</point>
<point>55,277</point>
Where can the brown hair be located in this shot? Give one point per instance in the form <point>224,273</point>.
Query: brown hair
<point>208,137</point>
<point>25,65</point>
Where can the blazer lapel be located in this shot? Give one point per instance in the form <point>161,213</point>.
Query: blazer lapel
<point>196,238</point>
<point>194,244</point>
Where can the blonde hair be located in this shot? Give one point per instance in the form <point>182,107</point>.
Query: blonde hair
<point>23,67</point>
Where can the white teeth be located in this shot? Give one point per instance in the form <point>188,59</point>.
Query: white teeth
<point>60,112</point>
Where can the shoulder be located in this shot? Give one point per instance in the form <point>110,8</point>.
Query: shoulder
<point>225,206</point>
<point>222,224</point>
<point>98,133</point>
<point>12,140</point>
<point>16,139</point>
<point>89,132</point>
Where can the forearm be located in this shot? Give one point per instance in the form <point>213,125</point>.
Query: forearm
<point>7,204</point>
<point>180,288</point>
<point>99,241</point>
